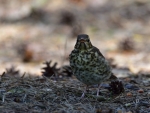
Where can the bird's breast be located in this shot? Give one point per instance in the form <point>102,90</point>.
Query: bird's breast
<point>85,61</point>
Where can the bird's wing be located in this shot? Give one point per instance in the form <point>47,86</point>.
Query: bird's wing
<point>103,66</point>
<point>112,76</point>
<point>95,49</point>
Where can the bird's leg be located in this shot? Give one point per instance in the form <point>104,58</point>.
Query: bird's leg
<point>85,90</point>
<point>99,86</point>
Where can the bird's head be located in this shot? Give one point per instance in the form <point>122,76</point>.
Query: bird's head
<point>83,42</point>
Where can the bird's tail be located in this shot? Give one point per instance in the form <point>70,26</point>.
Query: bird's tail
<point>113,77</point>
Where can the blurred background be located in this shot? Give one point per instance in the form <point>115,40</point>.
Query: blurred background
<point>34,31</point>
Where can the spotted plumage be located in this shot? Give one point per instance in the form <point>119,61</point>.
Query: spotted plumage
<point>88,64</point>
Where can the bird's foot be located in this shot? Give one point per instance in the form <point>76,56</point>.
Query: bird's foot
<point>98,90</point>
<point>83,94</point>
<point>97,93</point>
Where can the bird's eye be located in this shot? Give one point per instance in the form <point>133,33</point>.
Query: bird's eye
<point>88,40</point>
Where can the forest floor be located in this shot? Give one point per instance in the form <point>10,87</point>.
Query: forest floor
<point>36,31</point>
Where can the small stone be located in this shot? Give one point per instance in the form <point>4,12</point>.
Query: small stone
<point>129,94</point>
<point>141,91</point>
<point>127,79</point>
<point>146,82</point>
<point>131,86</point>
<point>129,112</point>
<point>121,110</point>
<point>128,104</point>
<point>148,93</point>
<point>144,103</point>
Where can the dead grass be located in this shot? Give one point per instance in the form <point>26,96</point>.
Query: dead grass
<point>40,94</point>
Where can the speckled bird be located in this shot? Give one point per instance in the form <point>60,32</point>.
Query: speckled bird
<point>88,64</point>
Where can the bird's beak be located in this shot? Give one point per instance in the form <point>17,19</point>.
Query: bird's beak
<point>82,40</point>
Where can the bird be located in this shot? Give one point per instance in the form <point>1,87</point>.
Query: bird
<point>88,64</point>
